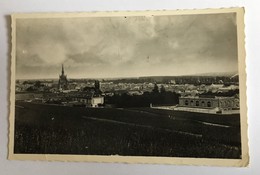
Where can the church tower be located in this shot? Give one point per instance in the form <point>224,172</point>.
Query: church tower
<point>62,71</point>
<point>63,82</point>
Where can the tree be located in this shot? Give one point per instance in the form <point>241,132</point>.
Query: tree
<point>37,84</point>
<point>30,89</point>
<point>25,82</point>
<point>162,90</point>
<point>156,88</point>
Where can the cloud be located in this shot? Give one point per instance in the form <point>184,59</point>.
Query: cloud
<point>128,46</point>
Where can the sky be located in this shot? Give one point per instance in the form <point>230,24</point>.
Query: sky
<point>109,47</point>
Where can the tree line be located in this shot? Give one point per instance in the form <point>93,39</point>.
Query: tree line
<point>156,97</point>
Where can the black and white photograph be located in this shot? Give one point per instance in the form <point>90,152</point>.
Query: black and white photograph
<point>137,87</point>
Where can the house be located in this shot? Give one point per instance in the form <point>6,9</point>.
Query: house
<point>87,99</point>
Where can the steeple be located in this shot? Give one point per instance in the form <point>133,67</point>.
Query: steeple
<point>62,71</point>
<point>63,82</point>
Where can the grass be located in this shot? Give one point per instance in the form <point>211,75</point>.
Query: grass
<point>134,131</point>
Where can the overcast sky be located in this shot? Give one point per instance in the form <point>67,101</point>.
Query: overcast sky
<point>126,46</point>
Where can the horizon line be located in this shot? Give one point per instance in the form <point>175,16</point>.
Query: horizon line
<point>194,75</point>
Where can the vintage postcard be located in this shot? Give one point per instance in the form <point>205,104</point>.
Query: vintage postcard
<point>159,87</point>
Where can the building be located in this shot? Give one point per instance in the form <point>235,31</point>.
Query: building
<point>90,101</point>
<point>209,105</point>
<point>63,82</point>
<point>87,99</point>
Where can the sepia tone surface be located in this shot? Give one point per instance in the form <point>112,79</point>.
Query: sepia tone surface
<point>144,87</point>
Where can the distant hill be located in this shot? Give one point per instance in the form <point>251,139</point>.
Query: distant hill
<point>216,74</point>
<point>142,79</point>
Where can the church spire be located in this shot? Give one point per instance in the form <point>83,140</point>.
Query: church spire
<point>62,71</point>
<point>63,82</point>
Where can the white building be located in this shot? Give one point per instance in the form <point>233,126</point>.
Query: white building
<point>90,101</point>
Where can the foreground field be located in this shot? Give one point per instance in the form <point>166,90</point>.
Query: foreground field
<point>53,129</point>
